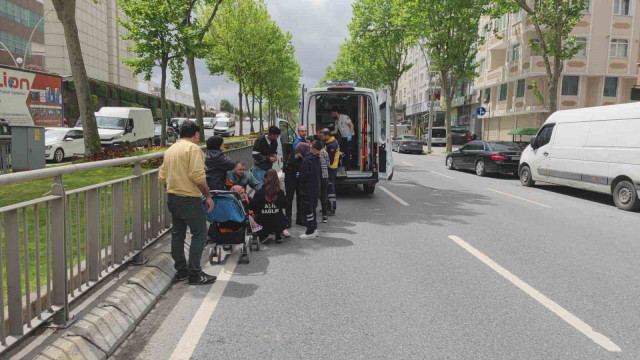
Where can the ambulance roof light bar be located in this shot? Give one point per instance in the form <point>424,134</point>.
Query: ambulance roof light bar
<point>340,85</point>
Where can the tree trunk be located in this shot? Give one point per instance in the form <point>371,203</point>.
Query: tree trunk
<point>246,99</point>
<point>66,11</point>
<point>163,98</point>
<point>240,106</point>
<point>253,111</point>
<point>448,117</point>
<point>196,95</point>
<point>394,116</point>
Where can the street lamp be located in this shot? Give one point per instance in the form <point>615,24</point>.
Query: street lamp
<point>10,53</point>
<point>26,48</point>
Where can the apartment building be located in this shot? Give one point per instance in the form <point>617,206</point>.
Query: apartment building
<point>22,33</point>
<point>413,91</point>
<point>602,73</point>
<point>100,37</point>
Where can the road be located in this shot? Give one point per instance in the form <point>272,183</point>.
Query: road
<point>246,128</point>
<point>436,264</point>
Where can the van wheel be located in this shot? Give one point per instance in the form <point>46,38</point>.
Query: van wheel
<point>481,169</point>
<point>149,143</point>
<point>625,196</point>
<point>525,177</point>
<point>368,189</point>
<point>127,145</point>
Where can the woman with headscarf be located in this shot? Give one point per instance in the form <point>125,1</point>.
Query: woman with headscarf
<point>268,205</point>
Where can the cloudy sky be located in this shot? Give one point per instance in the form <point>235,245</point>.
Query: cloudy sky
<point>318,28</point>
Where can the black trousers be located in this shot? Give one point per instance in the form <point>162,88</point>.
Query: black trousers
<point>311,221</point>
<point>291,187</point>
<point>187,212</point>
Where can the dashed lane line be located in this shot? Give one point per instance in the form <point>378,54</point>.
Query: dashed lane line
<point>565,315</point>
<point>443,175</point>
<point>519,198</point>
<point>394,196</point>
<point>408,164</point>
<point>190,338</point>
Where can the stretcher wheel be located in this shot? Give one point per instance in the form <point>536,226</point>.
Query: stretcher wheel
<point>256,242</point>
<point>219,254</point>
<point>245,253</point>
<point>212,252</point>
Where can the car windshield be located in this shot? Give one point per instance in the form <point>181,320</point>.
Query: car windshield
<point>439,133</point>
<point>505,147</point>
<point>222,123</point>
<point>409,137</point>
<point>54,135</point>
<point>105,122</point>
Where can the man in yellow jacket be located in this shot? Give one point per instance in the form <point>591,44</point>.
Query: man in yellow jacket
<point>183,173</point>
<point>333,148</point>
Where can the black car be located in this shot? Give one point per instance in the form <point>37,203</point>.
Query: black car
<point>486,157</point>
<point>172,136</point>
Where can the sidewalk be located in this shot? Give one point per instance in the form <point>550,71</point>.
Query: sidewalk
<point>440,150</point>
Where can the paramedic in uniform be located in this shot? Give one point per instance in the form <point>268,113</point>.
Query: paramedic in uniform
<point>333,149</point>
<point>344,125</point>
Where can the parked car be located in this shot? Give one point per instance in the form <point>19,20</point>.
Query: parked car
<point>486,157</point>
<point>176,122</point>
<point>172,135</point>
<point>594,149</point>
<point>209,122</point>
<point>407,143</point>
<point>62,142</point>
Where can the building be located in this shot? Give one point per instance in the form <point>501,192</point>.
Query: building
<point>174,95</point>
<point>602,73</point>
<point>21,20</point>
<point>412,98</point>
<point>100,37</point>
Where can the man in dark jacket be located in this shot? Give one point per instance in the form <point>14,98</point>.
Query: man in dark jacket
<point>216,163</point>
<point>310,175</point>
<point>265,153</point>
<point>291,185</point>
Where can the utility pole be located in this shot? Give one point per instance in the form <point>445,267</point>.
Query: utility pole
<point>431,99</point>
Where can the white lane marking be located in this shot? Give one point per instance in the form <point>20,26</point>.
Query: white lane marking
<point>408,164</point>
<point>519,198</point>
<point>402,202</point>
<point>190,338</point>
<point>443,175</point>
<point>565,315</point>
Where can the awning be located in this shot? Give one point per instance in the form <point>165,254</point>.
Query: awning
<point>524,131</point>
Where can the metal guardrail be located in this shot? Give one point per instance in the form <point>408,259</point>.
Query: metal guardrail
<point>69,240</point>
<point>5,156</point>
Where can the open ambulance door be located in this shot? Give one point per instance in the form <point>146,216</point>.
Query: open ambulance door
<point>385,155</point>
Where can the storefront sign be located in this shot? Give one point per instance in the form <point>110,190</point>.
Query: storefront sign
<point>423,107</point>
<point>30,98</point>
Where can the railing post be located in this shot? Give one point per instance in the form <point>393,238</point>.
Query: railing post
<point>117,214</point>
<point>14,282</point>
<point>138,212</point>
<point>59,254</point>
<point>154,205</point>
<point>92,223</point>
<point>167,214</point>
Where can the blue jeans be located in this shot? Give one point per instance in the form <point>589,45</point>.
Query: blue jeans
<point>258,174</point>
<point>187,211</point>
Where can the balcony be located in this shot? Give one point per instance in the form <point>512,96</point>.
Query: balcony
<point>498,41</point>
<point>495,76</point>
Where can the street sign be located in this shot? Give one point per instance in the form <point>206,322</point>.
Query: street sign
<point>482,111</point>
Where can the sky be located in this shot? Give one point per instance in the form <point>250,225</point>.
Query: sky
<point>318,28</point>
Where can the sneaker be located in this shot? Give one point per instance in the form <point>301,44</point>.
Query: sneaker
<point>201,278</point>
<point>286,234</point>
<point>325,219</point>
<point>181,276</point>
<point>309,236</point>
<point>279,239</point>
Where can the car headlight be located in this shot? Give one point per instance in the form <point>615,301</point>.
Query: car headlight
<point>48,147</point>
<point>118,136</point>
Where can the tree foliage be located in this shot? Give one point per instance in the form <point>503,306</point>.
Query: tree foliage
<point>227,106</point>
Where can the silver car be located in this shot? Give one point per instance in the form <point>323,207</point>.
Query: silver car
<point>407,143</point>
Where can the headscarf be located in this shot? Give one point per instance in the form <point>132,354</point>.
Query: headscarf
<point>303,149</point>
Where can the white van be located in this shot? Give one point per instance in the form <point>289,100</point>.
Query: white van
<point>596,148</point>
<point>225,126</point>
<point>371,157</point>
<point>125,127</point>
<point>439,136</point>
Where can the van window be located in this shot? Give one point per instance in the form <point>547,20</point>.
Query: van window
<point>544,136</point>
<point>571,135</point>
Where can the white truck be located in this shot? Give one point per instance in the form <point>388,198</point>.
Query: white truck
<point>122,127</point>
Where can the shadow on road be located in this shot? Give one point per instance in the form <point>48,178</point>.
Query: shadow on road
<point>604,199</point>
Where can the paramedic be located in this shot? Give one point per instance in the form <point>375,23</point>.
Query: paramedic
<point>264,153</point>
<point>344,125</point>
<point>183,173</point>
<point>333,149</point>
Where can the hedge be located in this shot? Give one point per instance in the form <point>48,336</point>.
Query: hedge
<point>127,95</point>
<point>101,90</point>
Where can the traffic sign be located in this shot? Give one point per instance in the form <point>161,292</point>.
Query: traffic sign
<point>482,111</point>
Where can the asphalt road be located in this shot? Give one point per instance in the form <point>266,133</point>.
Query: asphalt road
<point>443,264</point>
<point>246,128</point>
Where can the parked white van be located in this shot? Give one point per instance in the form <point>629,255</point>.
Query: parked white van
<point>125,127</point>
<point>225,126</point>
<point>596,148</point>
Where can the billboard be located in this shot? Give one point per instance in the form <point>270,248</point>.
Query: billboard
<point>30,98</point>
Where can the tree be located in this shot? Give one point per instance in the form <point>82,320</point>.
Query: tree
<point>66,12</point>
<point>553,21</point>
<point>448,29</point>
<point>195,48</point>
<point>159,33</point>
<point>379,45</point>
<point>226,106</point>
<point>348,66</point>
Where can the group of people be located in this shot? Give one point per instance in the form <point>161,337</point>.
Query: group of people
<point>190,175</point>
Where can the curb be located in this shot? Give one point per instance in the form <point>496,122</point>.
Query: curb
<point>99,333</point>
